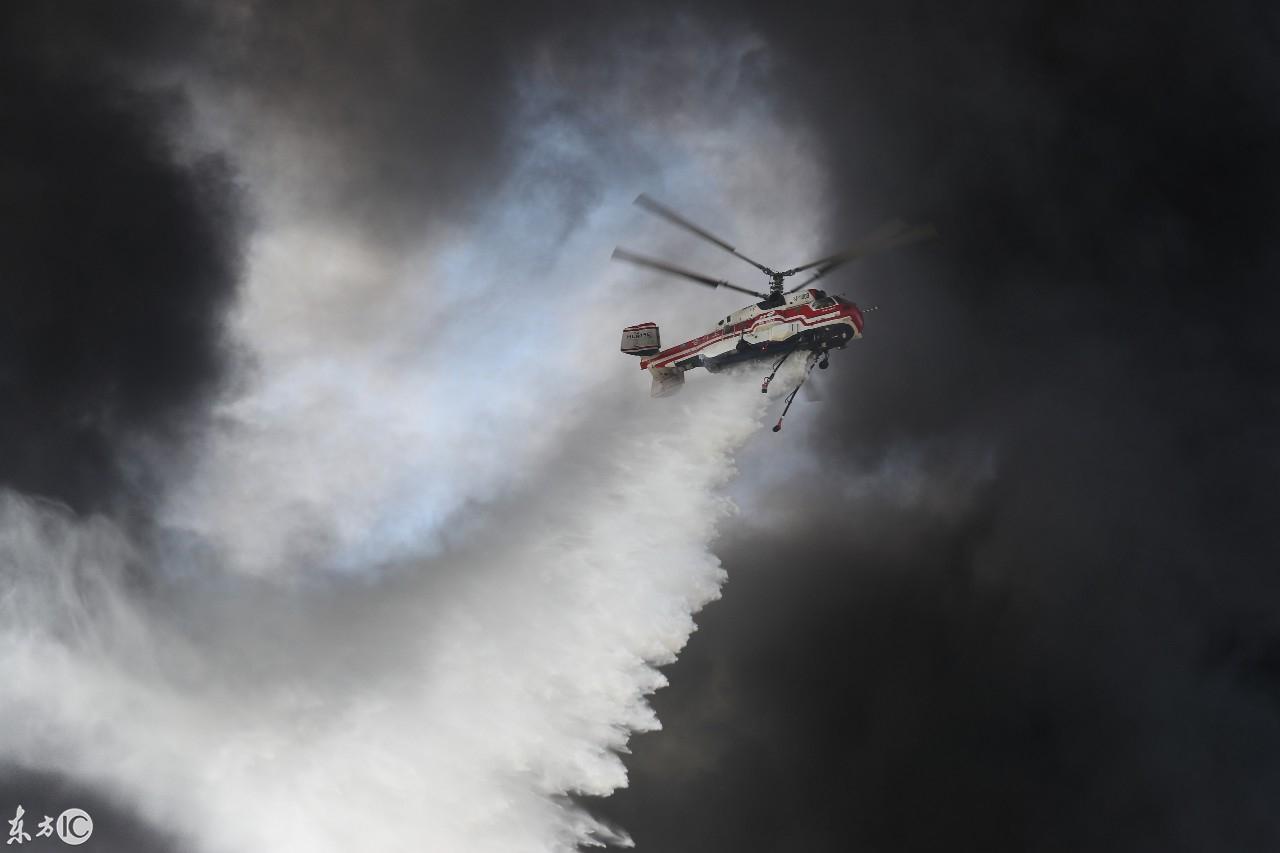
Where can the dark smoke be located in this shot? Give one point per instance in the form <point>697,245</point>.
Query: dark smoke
<point>409,105</point>
<point>118,260</point>
<point>1064,638</point>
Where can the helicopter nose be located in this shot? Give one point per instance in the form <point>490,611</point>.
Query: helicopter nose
<point>855,313</point>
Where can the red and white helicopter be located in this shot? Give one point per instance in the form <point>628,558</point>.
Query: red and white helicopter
<point>784,322</point>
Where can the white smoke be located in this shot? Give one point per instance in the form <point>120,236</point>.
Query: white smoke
<point>416,586</point>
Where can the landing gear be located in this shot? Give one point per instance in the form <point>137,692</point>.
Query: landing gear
<point>825,363</point>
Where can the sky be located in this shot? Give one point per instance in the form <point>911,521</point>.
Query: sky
<point>331,517</point>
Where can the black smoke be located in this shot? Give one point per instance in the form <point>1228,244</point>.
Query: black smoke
<point>1061,633</point>
<point>119,255</point>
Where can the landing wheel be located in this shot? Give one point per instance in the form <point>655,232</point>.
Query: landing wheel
<point>824,364</point>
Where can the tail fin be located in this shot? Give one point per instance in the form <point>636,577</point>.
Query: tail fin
<point>641,339</point>
<point>666,381</point>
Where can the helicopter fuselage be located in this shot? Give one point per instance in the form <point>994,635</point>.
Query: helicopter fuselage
<point>785,321</point>
<point>805,320</point>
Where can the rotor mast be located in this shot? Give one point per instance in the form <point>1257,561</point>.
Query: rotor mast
<point>775,283</point>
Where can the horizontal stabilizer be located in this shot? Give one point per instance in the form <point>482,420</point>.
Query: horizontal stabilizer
<point>641,339</point>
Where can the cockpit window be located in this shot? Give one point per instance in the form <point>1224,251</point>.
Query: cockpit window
<point>823,302</point>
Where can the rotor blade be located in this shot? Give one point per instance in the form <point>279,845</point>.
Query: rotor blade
<point>891,235</point>
<point>663,266</point>
<point>886,231</point>
<point>679,221</point>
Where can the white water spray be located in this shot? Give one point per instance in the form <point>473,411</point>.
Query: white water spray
<point>417,586</point>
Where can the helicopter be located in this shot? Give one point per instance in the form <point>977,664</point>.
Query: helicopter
<point>784,322</point>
